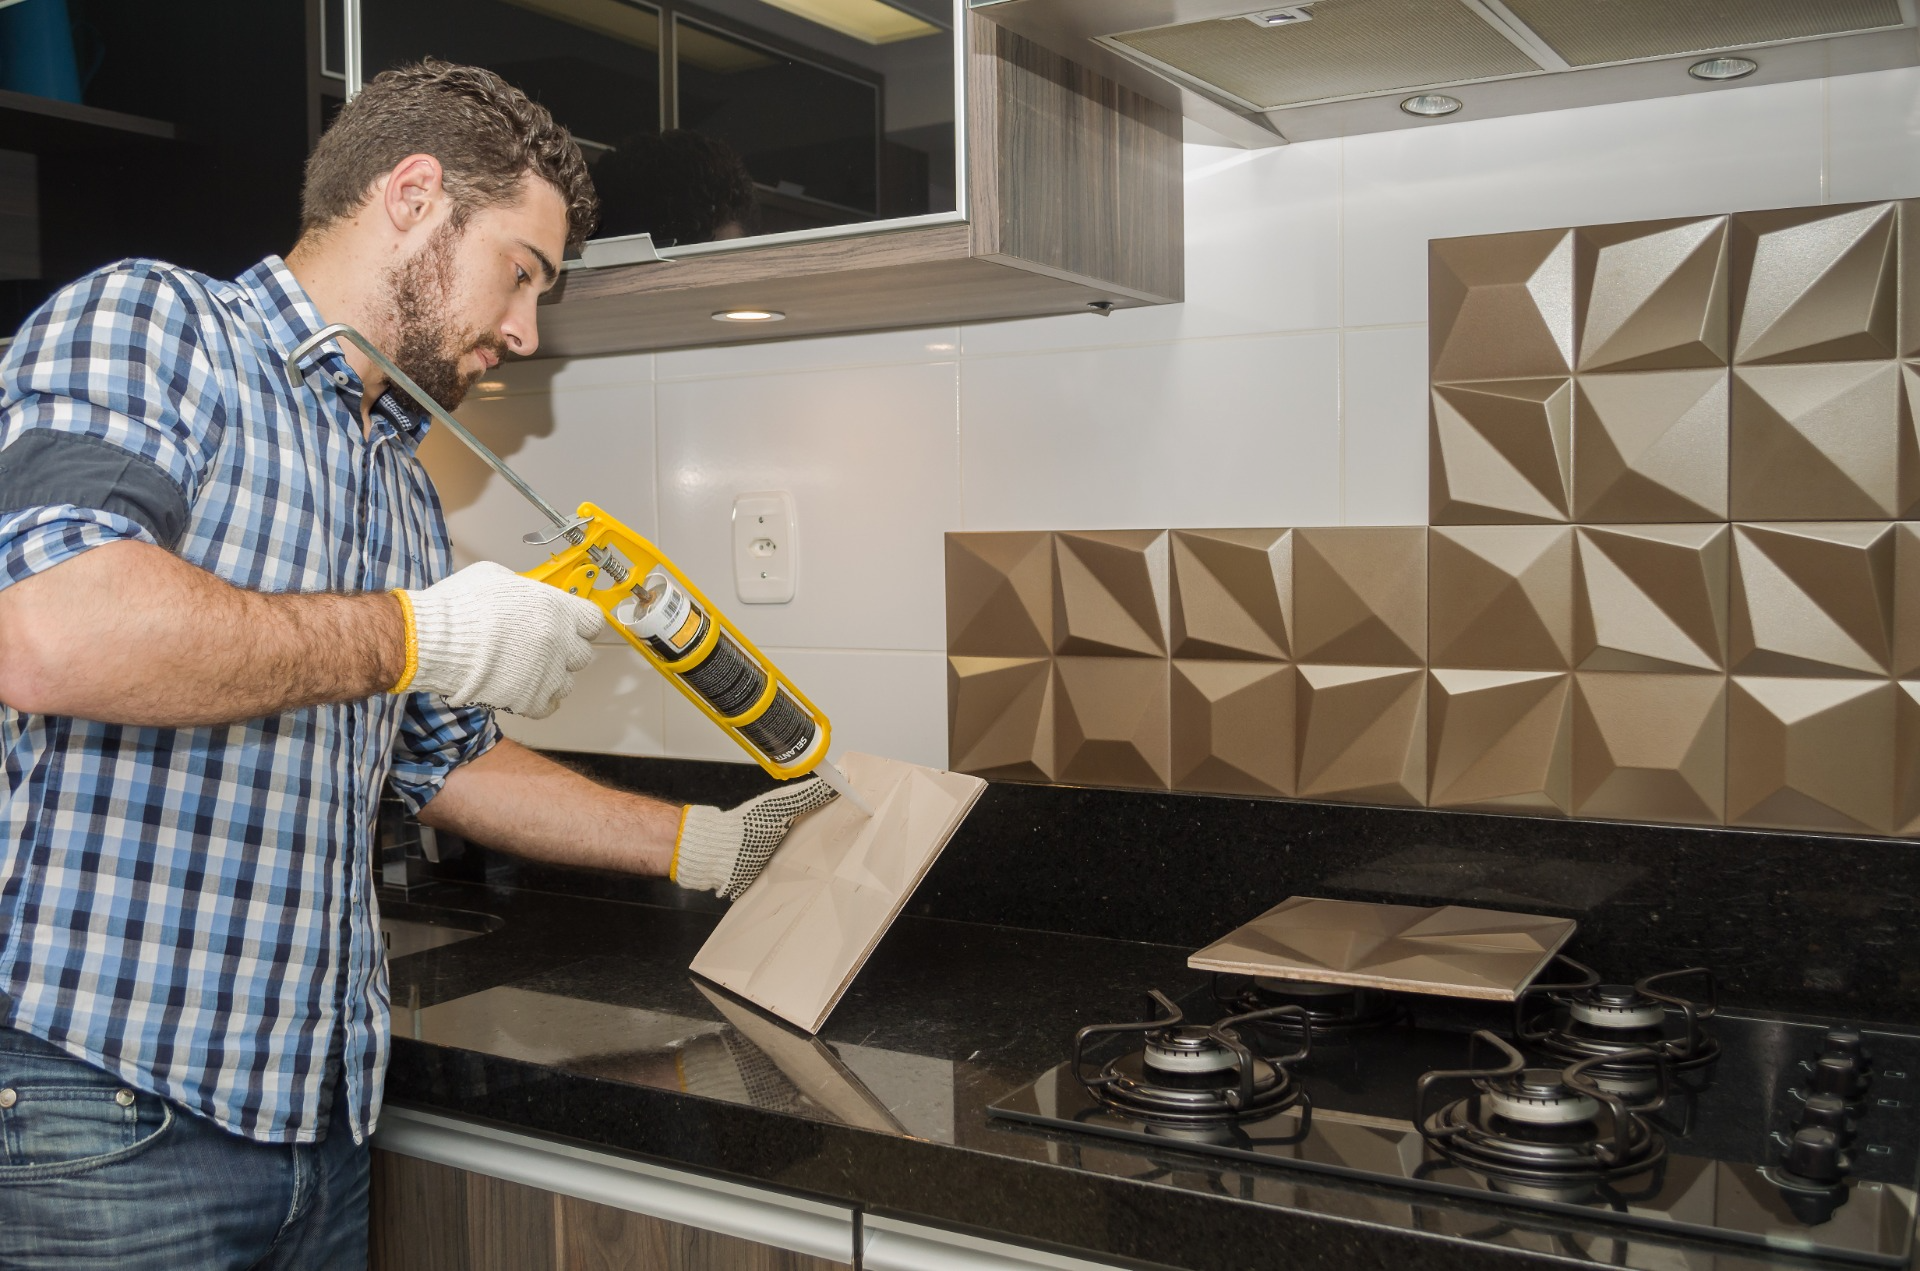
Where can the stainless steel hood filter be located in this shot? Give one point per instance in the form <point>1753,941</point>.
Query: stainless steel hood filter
<point>1352,47</point>
<point>1596,32</point>
<point>1339,67</point>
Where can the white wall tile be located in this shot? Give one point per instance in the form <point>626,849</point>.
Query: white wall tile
<point>547,374</point>
<point>615,709</point>
<point>1261,229</point>
<point>1873,124</point>
<point>572,446</point>
<point>880,703</point>
<point>926,344</point>
<point>1195,433</point>
<point>1384,426</point>
<point>870,456</point>
<point>1674,156</point>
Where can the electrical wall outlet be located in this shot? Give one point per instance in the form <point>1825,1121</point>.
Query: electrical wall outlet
<point>766,548</point>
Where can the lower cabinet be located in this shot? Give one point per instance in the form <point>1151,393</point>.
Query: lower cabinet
<point>448,1195</point>
<point>430,1217</point>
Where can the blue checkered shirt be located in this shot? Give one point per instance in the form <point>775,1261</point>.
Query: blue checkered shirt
<point>193,908</point>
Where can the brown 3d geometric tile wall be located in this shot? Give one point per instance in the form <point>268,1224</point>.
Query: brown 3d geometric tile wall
<point>1672,572</point>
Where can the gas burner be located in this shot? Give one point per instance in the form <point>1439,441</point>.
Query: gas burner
<point>1611,1023</point>
<point>1540,1125</point>
<point>1193,1073</point>
<point>1332,1009</point>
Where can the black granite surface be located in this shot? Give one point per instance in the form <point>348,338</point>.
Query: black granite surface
<point>1791,922</point>
<point>575,1018</point>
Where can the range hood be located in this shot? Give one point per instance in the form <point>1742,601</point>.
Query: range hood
<point>1325,68</point>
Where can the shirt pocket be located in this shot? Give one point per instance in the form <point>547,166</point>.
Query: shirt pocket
<point>59,1125</point>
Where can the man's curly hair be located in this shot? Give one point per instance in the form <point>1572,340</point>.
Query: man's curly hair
<point>487,135</point>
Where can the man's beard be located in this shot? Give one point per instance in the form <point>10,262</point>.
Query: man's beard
<point>427,345</point>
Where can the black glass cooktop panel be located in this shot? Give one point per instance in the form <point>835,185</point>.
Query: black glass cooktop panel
<point>1725,1131</point>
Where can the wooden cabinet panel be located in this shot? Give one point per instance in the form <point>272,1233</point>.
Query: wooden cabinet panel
<point>428,1217</point>
<point>597,1238</point>
<point>1076,199</point>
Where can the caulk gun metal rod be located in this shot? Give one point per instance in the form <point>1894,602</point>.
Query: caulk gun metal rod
<point>413,390</point>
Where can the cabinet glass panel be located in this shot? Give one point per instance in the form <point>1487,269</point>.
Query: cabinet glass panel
<point>722,120</point>
<point>594,63</point>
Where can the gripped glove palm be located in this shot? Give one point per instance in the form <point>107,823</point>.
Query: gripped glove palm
<point>485,636</point>
<point>723,852</point>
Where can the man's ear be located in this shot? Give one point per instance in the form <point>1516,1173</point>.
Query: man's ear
<point>412,192</point>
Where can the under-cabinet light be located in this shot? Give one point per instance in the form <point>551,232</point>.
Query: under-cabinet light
<point>1718,68</point>
<point>1281,17</point>
<point>867,20</point>
<point>1430,105</point>
<point>748,315</point>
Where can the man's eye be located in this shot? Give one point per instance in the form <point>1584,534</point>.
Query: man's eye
<point>520,276</point>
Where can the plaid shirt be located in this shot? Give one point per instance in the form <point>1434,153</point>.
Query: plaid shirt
<point>193,908</point>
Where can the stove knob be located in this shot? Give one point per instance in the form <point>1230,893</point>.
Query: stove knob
<point>1815,1156</point>
<point>1844,1042</point>
<point>1838,1075</point>
<point>1826,1112</point>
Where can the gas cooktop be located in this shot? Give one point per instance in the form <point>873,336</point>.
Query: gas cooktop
<point>1639,1105</point>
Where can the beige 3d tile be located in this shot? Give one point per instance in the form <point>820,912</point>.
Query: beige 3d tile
<point>1111,721</point>
<point>1811,754</point>
<point>1360,595</point>
<point>1906,757</point>
<point>1906,600</point>
<point>1110,593</point>
<point>1812,599</point>
<point>1232,727</point>
<point>1362,734</point>
<point>1651,597</point>
<point>1815,284</point>
<point>1232,593</point>
<point>1650,446</point>
<point>794,941</point>
<point>1451,950</point>
<point>1500,451</point>
<point>1501,596</point>
<point>1909,252</point>
<point>1652,295</point>
<point>1821,441</point>
<point>1000,594</point>
<point>1500,306</point>
<point>1000,717</point>
<point>1650,747</point>
<point>1499,740</point>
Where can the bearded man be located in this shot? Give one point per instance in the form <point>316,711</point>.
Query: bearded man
<point>227,624</point>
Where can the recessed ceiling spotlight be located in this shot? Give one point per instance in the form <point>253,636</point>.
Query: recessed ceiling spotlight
<point>1716,68</point>
<point>748,315</point>
<point>1429,105</point>
<point>1288,16</point>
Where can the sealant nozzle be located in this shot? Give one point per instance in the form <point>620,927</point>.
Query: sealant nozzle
<point>826,771</point>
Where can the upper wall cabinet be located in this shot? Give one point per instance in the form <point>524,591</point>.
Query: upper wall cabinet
<point>846,165</point>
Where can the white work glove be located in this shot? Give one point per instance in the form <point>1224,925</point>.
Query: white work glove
<point>488,637</point>
<point>723,852</point>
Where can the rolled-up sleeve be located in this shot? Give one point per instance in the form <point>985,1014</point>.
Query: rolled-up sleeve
<point>434,739</point>
<point>110,412</point>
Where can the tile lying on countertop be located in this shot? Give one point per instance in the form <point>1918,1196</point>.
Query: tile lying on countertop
<point>1452,950</point>
<point>795,940</point>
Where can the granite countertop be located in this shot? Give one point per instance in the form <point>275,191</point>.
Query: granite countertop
<point>577,1019</point>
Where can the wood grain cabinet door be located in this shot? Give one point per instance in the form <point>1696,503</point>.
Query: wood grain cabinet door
<point>430,1217</point>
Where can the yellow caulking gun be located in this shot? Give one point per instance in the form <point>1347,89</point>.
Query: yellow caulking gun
<point>657,608</point>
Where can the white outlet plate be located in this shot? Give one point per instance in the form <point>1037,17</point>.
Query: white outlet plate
<point>766,547</point>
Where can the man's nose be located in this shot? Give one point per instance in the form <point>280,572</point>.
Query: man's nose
<point>521,329</point>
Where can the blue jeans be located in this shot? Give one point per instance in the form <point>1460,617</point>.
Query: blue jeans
<point>96,1176</point>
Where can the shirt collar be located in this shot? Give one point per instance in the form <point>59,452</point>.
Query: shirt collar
<point>291,317</point>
